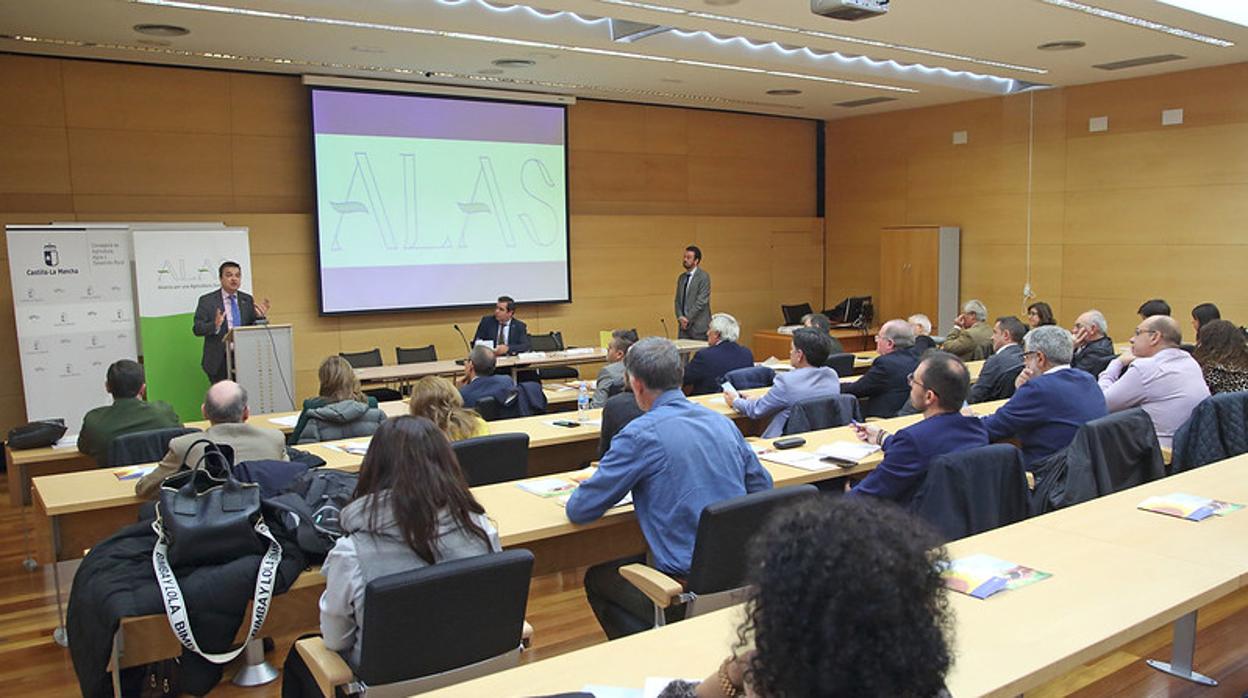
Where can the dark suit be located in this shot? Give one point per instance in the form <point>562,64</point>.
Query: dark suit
<point>1009,358</point>
<point>618,412</point>
<point>908,453</point>
<point>708,366</point>
<point>1046,411</point>
<point>517,335</point>
<point>884,384</point>
<point>497,386</point>
<point>213,362</point>
<point>693,301</point>
<point>1094,356</point>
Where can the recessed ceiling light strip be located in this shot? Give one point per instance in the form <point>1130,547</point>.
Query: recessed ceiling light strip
<point>468,36</point>
<point>1137,22</point>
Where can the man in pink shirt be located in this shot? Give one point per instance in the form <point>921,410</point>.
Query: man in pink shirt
<point>1165,380</point>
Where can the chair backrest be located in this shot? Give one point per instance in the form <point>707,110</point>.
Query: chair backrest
<point>486,460</point>
<point>1217,429</point>
<point>751,377</point>
<point>724,531</point>
<point>362,359</point>
<point>143,446</point>
<point>551,341</point>
<point>444,616</point>
<point>823,413</point>
<point>842,363</point>
<point>488,408</point>
<point>793,313</point>
<point>418,355</point>
<point>972,491</point>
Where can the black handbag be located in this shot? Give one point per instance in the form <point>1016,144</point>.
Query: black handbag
<point>38,434</point>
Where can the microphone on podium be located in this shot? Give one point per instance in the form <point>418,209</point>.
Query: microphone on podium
<point>461,336</point>
<point>666,334</point>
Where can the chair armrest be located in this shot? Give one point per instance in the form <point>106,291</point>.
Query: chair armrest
<point>526,635</point>
<point>658,587</point>
<point>328,667</point>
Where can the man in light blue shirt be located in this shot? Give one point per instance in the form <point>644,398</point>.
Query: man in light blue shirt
<point>808,380</point>
<point>676,459</point>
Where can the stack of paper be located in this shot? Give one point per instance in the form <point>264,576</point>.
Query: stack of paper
<point>1188,506</point>
<point>848,450</point>
<point>287,421</point>
<point>561,488</point>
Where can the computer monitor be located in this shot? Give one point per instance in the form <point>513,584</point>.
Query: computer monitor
<point>850,310</point>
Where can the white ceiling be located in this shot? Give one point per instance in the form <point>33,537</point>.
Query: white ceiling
<point>406,40</point>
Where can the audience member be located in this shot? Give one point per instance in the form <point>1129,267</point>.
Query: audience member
<point>922,326</point>
<point>1156,306</point>
<point>618,412</point>
<point>225,408</point>
<point>1093,347</point>
<point>1223,356</point>
<point>1053,400</point>
<point>884,384</point>
<point>502,330</point>
<point>1165,380</point>
<point>1201,314</point>
<point>809,379</point>
<point>611,378</point>
<point>1039,314</point>
<point>938,388</point>
<point>1006,359</point>
<point>971,337</point>
<point>436,399</point>
<point>846,599</point>
<point>675,459</point>
<point>820,322</point>
<point>479,380</point>
<point>341,410</point>
<point>706,369</point>
<point>128,414</point>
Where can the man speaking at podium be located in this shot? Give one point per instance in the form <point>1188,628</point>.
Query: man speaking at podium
<point>219,312</point>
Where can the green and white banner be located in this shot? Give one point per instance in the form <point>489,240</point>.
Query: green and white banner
<point>172,269</point>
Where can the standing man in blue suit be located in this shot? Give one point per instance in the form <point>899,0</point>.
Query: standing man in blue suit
<point>693,296</point>
<point>219,312</point>
<point>507,334</point>
<point>808,380</point>
<point>706,369</point>
<point>938,387</point>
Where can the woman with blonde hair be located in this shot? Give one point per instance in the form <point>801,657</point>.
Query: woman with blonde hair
<point>341,410</point>
<point>437,399</point>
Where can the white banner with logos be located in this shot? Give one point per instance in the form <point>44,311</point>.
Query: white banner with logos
<point>73,302</point>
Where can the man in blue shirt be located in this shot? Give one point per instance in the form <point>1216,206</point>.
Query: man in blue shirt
<point>676,459</point>
<point>938,387</point>
<point>808,380</point>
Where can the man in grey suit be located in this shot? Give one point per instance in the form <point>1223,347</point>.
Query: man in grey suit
<point>693,297</point>
<point>994,382</point>
<point>219,312</point>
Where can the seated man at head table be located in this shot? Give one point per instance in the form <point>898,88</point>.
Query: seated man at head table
<point>922,326</point>
<point>938,387</point>
<point>971,337</point>
<point>808,380</point>
<point>480,381</point>
<point>676,459</point>
<point>128,414</point>
<point>225,407</point>
<point>1052,401</point>
<point>1164,380</point>
<point>884,384</point>
<point>996,378</point>
<point>502,331</point>
<point>1093,347</point>
<point>820,322</point>
<point>706,369</point>
<point>611,378</point>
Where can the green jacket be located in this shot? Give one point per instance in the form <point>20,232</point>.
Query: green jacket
<point>970,344</point>
<point>125,416</point>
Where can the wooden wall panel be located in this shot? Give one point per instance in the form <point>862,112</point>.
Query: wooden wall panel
<point>104,141</point>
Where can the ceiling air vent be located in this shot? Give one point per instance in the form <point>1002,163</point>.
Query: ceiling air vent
<point>1137,62</point>
<point>865,102</point>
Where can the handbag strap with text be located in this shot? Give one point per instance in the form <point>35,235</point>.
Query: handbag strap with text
<point>175,605</point>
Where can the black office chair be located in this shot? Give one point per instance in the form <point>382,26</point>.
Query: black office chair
<point>418,355</point>
<point>492,410</point>
<point>842,363</point>
<point>750,377</point>
<point>146,446</point>
<point>972,491</point>
<point>823,413</point>
<point>719,570</point>
<point>552,341</point>
<point>362,359</point>
<point>1217,430</point>
<point>793,314</point>
<point>486,460</point>
<point>432,627</point>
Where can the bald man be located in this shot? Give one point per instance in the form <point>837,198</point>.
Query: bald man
<point>1165,380</point>
<point>886,384</point>
<point>225,407</point>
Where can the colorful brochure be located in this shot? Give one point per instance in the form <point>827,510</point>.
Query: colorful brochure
<point>1188,506</point>
<point>560,489</point>
<point>133,472</point>
<point>981,576</point>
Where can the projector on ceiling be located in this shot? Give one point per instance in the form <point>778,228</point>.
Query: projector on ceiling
<point>849,10</point>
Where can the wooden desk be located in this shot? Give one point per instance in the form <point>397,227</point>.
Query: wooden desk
<point>767,343</point>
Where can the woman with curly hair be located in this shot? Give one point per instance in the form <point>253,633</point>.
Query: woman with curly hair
<point>1039,314</point>
<point>1223,356</point>
<point>847,600</point>
<point>437,399</point>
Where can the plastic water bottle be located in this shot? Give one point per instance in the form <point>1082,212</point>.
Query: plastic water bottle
<point>582,402</point>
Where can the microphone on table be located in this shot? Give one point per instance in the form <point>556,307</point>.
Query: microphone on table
<point>666,334</point>
<point>461,336</point>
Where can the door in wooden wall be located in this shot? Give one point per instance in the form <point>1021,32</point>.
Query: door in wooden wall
<point>918,272</point>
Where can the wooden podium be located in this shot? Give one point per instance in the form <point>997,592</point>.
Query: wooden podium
<point>261,359</point>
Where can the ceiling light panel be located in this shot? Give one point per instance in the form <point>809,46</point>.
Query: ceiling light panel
<point>1141,22</point>
<point>1233,11</point>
